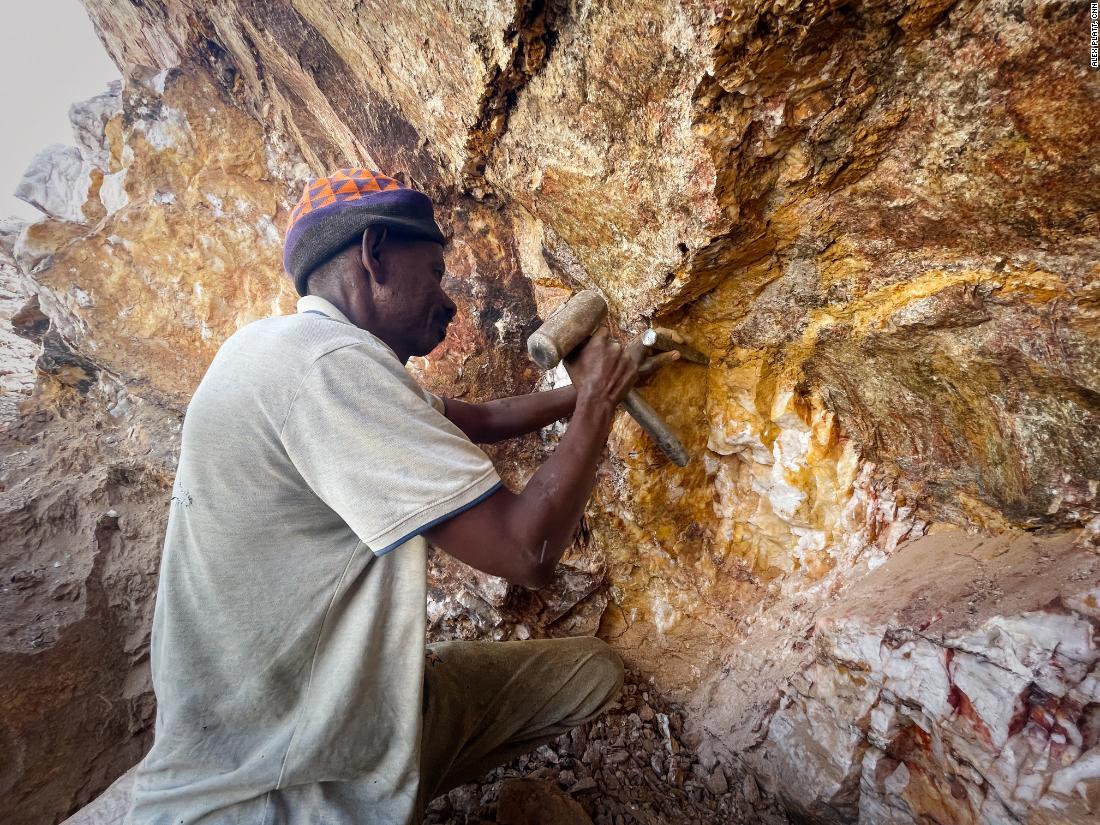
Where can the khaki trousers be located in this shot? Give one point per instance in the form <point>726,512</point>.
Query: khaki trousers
<point>488,702</point>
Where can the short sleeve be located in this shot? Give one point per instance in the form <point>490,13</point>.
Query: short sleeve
<point>374,448</point>
<point>436,402</point>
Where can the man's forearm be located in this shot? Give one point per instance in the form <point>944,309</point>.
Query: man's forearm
<point>552,503</point>
<point>521,536</point>
<point>510,417</point>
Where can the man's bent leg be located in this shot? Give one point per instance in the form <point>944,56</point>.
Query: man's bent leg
<point>487,702</point>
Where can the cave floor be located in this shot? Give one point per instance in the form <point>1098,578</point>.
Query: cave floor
<point>637,763</point>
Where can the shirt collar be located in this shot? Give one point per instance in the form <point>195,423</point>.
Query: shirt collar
<point>319,304</point>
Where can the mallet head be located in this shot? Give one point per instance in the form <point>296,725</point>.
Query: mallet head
<point>569,326</point>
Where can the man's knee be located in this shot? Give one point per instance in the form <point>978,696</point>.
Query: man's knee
<point>600,679</point>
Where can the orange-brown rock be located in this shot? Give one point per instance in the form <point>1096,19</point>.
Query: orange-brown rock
<point>530,802</point>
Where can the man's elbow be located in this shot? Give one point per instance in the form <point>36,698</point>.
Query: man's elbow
<point>535,551</point>
<point>537,562</point>
<point>536,577</point>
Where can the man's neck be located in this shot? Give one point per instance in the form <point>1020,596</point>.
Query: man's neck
<point>348,315</point>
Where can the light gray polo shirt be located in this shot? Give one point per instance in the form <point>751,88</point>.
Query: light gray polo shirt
<point>288,636</point>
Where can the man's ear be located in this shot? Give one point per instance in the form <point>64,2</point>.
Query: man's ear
<point>370,253</point>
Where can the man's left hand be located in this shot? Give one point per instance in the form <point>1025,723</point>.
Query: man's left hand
<point>650,363</point>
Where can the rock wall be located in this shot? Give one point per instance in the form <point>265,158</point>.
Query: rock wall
<point>954,683</point>
<point>878,218</point>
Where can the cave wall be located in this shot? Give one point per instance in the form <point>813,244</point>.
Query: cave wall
<point>879,219</point>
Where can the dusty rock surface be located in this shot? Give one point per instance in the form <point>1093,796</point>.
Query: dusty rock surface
<point>879,220</point>
<point>957,681</point>
<point>17,354</point>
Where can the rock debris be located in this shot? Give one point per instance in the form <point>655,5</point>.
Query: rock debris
<point>635,764</point>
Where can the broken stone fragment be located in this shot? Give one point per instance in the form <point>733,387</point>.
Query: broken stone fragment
<point>570,587</point>
<point>528,802</point>
<point>57,183</point>
<point>89,119</point>
<point>493,589</point>
<point>112,192</point>
<point>30,321</point>
<point>582,785</point>
<point>716,781</point>
<point>750,790</point>
<point>10,229</point>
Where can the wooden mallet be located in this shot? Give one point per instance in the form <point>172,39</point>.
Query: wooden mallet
<point>570,326</point>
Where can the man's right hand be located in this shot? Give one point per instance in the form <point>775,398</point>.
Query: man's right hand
<point>602,370</point>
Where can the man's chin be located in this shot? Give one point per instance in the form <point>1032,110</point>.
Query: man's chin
<point>428,348</point>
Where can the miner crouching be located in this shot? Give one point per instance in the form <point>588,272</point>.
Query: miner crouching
<point>288,648</point>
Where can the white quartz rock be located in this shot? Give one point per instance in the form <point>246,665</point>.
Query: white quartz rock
<point>113,192</point>
<point>10,230</point>
<point>89,119</point>
<point>57,183</point>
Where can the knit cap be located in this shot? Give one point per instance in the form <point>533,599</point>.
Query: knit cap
<point>335,210</point>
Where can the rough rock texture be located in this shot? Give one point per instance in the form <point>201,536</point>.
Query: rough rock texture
<point>57,182</point>
<point>879,219</point>
<point>957,682</point>
<point>17,354</point>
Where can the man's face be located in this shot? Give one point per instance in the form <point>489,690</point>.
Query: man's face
<point>417,310</point>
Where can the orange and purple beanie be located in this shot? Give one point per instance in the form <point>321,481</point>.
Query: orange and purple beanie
<point>334,211</point>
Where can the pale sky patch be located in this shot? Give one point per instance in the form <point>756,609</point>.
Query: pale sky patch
<point>50,58</point>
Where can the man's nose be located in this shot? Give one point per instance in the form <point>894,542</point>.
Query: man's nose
<point>450,306</point>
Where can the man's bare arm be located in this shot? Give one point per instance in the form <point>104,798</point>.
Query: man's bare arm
<point>521,414</point>
<point>510,417</point>
<point>522,536</point>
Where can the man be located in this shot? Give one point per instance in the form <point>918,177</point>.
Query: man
<point>288,638</point>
